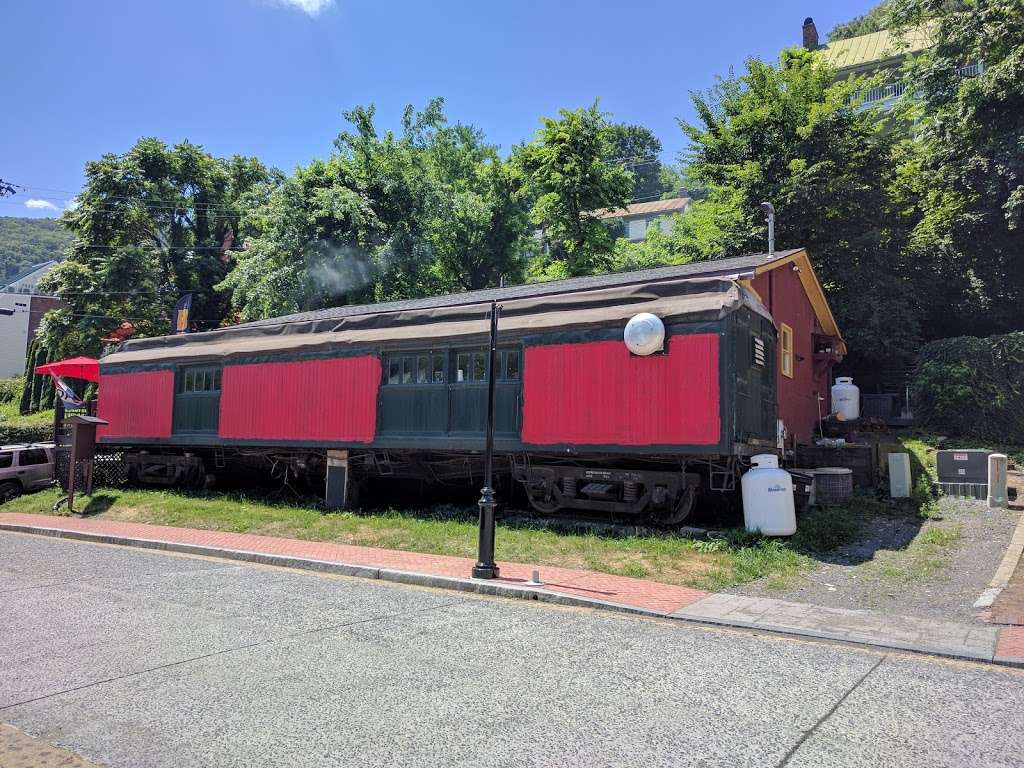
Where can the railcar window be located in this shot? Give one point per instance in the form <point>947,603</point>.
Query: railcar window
<point>415,368</point>
<point>472,366</point>
<point>510,366</point>
<point>199,380</point>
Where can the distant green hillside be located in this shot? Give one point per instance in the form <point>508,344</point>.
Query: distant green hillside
<point>24,242</point>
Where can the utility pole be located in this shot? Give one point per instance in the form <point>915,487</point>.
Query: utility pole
<point>485,567</point>
<point>769,213</point>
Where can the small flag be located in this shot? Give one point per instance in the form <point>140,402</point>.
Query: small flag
<point>182,310</point>
<point>66,393</point>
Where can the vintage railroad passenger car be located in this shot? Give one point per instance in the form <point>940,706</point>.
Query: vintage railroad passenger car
<point>399,388</point>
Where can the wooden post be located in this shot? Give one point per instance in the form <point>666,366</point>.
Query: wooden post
<point>336,493</point>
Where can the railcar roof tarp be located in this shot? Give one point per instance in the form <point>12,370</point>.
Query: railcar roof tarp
<point>698,300</point>
<point>735,266</point>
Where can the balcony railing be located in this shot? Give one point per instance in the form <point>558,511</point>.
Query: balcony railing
<point>885,92</point>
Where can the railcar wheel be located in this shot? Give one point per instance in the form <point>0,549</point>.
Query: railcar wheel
<point>548,507</point>
<point>676,514</point>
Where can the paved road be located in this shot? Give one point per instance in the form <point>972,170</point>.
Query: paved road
<point>138,658</point>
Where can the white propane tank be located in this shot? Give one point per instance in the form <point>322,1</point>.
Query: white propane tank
<point>846,398</point>
<point>768,497</point>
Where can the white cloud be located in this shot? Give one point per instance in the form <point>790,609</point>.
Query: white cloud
<point>40,204</point>
<point>71,204</point>
<point>310,7</point>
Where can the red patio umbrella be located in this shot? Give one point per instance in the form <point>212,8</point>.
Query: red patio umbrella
<point>74,368</point>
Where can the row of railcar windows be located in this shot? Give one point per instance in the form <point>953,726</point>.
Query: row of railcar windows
<point>429,368</point>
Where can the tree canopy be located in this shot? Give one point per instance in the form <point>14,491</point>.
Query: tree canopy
<point>962,187</point>
<point>387,216</point>
<point>149,226</point>
<point>788,134</point>
<point>572,174</point>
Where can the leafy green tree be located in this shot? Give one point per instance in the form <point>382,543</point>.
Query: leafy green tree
<point>875,20</point>
<point>637,149</point>
<point>789,135</point>
<point>571,175</point>
<point>962,179</point>
<point>388,216</point>
<point>149,226</point>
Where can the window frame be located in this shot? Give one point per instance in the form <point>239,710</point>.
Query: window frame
<point>402,368</point>
<point>189,375</point>
<point>787,357</point>
<point>32,452</point>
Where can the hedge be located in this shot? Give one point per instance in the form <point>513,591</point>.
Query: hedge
<point>25,433</point>
<point>972,387</point>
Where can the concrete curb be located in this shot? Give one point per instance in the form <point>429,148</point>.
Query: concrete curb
<point>1007,566</point>
<point>490,588</point>
<point>493,589</point>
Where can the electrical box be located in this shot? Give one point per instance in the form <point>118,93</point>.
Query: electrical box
<point>964,466</point>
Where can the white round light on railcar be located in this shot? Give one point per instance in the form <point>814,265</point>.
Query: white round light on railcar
<point>644,334</point>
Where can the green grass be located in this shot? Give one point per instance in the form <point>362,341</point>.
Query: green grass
<point>731,557</point>
<point>925,556</point>
<point>9,415</point>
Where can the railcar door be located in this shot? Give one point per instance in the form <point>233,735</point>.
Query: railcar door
<point>197,400</point>
<point>468,392</point>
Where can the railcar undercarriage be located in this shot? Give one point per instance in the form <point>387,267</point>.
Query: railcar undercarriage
<point>656,489</point>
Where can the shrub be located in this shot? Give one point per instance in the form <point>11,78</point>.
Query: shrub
<point>25,433</point>
<point>967,386</point>
<point>10,389</point>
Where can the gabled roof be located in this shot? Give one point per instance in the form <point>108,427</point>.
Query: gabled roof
<point>673,205</point>
<point>876,48</point>
<point>29,271</point>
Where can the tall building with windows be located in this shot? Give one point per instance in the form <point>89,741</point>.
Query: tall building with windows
<point>21,309</point>
<point>881,52</point>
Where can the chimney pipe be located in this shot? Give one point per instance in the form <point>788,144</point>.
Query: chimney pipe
<point>810,34</point>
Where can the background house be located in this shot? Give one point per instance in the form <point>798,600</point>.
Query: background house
<point>632,221</point>
<point>21,309</point>
<point>877,52</point>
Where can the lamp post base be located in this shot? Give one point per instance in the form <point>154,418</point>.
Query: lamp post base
<point>485,571</point>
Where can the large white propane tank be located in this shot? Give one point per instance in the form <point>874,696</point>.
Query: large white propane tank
<point>846,398</point>
<point>768,497</point>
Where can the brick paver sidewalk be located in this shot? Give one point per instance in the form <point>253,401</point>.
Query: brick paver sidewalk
<point>987,643</point>
<point>622,590</point>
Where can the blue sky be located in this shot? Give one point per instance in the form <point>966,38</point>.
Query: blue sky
<point>271,77</point>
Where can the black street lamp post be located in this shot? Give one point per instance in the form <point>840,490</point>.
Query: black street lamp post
<point>485,567</point>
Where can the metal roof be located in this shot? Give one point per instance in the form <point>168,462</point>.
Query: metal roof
<point>672,205</point>
<point>875,48</point>
<point>713,268</point>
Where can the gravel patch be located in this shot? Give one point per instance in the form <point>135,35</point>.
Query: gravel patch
<point>932,568</point>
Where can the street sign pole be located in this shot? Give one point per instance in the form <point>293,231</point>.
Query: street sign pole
<point>485,567</point>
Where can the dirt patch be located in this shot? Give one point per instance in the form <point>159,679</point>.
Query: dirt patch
<point>934,568</point>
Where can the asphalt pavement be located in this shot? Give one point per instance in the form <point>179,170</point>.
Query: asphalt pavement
<point>140,658</point>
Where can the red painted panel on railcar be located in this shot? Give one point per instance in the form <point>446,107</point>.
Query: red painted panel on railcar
<point>326,400</point>
<point>136,404</point>
<point>597,393</point>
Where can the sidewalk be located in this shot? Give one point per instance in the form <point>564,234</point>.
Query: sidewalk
<point>1003,645</point>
